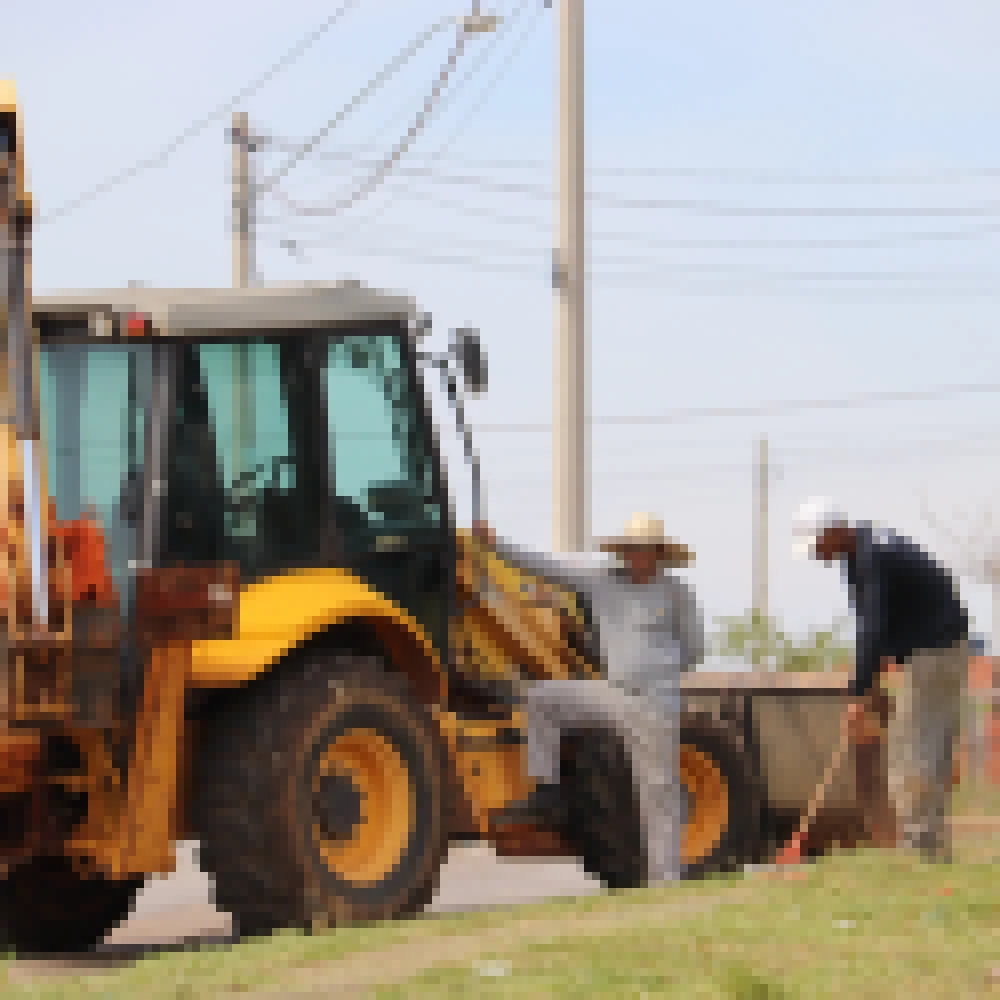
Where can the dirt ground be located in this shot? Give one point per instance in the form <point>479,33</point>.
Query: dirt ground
<point>180,908</point>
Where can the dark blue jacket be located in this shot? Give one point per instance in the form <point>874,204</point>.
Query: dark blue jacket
<point>903,601</point>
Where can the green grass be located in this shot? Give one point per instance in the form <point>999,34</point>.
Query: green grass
<point>980,799</point>
<point>853,925</point>
<point>856,926</point>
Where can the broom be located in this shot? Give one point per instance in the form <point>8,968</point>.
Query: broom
<point>791,853</point>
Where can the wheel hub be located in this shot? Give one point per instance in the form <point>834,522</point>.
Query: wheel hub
<point>707,804</point>
<point>363,805</point>
<point>338,806</point>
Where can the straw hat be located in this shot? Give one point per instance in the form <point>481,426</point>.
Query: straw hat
<point>646,531</point>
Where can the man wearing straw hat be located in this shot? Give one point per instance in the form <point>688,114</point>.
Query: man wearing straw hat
<point>650,630</point>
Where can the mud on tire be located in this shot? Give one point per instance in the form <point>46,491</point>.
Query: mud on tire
<point>321,797</point>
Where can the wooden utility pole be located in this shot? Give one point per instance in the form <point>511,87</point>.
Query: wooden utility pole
<point>762,476</point>
<point>244,256</point>
<point>570,425</point>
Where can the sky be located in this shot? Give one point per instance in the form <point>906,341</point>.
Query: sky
<point>787,202</point>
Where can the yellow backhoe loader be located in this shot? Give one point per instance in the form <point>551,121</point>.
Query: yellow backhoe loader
<point>237,608</point>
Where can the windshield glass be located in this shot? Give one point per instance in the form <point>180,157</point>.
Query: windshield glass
<point>383,475</point>
<point>243,481</point>
<point>95,408</point>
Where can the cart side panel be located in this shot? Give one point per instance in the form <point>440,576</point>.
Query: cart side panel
<point>797,735</point>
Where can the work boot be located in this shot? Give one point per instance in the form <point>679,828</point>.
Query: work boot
<point>543,807</point>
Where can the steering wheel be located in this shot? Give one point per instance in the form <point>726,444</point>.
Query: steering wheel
<point>241,497</point>
<point>278,463</point>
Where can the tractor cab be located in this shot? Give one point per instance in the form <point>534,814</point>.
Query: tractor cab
<point>270,429</point>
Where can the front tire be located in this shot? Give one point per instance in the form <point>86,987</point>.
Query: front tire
<point>321,798</point>
<point>47,907</point>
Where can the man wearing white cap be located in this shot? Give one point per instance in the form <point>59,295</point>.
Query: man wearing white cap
<point>908,612</point>
<point>650,630</point>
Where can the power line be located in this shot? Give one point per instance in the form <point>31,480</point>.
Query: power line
<point>752,175</point>
<point>419,122</point>
<point>493,83</point>
<point>494,248</point>
<point>533,190</point>
<point>371,87</point>
<point>159,158</point>
<point>484,56</point>
<point>469,246</point>
<point>724,210</point>
<point>771,176</point>
<point>775,408</point>
<point>706,207</point>
<point>452,260</point>
<point>788,286</point>
<point>665,283</point>
<point>451,158</point>
<point>881,241</point>
<point>476,66</point>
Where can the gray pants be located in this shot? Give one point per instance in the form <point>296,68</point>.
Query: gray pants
<point>650,730</point>
<point>922,734</point>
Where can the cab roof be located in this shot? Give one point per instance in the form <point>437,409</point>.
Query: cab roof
<point>220,311</point>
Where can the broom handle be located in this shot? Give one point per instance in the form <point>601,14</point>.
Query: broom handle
<point>821,792</point>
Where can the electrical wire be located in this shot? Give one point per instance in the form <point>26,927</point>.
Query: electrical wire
<point>424,257</point>
<point>386,165</point>
<point>765,176</point>
<point>663,284</point>
<point>752,175</point>
<point>475,67</point>
<point>697,206</point>
<point>882,241</point>
<point>159,158</point>
<point>774,408</point>
<point>383,76</point>
<point>393,193</point>
<point>493,83</point>
<point>467,246</point>
<point>492,248</point>
<point>724,210</point>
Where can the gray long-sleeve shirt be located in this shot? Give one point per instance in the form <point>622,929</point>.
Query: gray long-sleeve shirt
<point>649,633</point>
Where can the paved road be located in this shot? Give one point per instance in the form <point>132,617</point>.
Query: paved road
<point>179,907</point>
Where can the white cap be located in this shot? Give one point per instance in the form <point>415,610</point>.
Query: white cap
<point>810,521</point>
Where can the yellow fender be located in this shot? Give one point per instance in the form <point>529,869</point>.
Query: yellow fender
<point>279,613</point>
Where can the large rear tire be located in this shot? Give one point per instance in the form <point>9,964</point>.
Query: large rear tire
<point>722,828</point>
<point>722,831</point>
<point>46,907</point>
<point>321,797</point>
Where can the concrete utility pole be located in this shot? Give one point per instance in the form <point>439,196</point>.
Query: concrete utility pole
<point>570,425</point>
<point>244,203</point>
<point>762,478</point>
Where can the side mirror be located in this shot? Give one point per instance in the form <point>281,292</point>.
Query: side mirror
<point>467,350</point>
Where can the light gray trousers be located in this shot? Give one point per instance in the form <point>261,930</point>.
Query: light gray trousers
<point>650,729</point>
<point>922,734</point>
